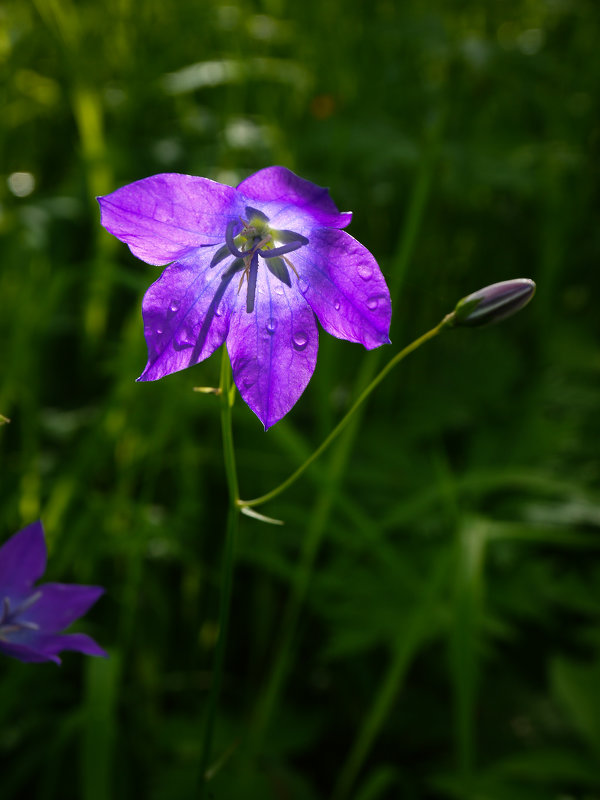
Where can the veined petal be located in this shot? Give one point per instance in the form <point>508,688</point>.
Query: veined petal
<point>22,562</point>
<point>344,286</point>
<point>288,190</point>
<point>186,313</point>
<point>80,642</point>
<point>59,605</point>
<point>163,217</point>
<point>27,653</point>
<point>273,351</point>
<point>42,647</point>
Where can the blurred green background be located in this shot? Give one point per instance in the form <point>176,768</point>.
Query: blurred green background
<point>426,623</point>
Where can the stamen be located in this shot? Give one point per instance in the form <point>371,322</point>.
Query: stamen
<point>5,609</point>
<point>289,263</point>
<point>255,213</point>
<point>234,267</point>
<point>252,275</point>
<point>30,626</point>
<point>277,268</point>
<point>289,236</point>
<point>33,598</point>
<point>4,629</point>
<point>280,251</point>
<point>221,253</point>
<point>229,239</point>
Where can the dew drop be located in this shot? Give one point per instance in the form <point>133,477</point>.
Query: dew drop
<point>278,289</point>
<point>249,380</point>
<point>303,285</point>
<point>159,329</point>
<point>174,307</point>
<point>183,338</point>
<point>299,340</point>
<point>375,301</point>
<point>365,272</point>
<point>271,325</point>
<point>336,305</point>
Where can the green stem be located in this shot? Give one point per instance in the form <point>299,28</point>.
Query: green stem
<point>233,514</point>
<point>257,501</point>
<point>313,539</point>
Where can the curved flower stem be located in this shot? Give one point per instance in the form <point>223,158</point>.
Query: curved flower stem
<point>257,501</point>
<point>233,514</point>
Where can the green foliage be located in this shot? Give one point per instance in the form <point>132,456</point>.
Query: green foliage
<point>425,625</point>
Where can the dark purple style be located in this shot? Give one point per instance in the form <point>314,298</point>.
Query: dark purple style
<point>254,266</point>
<point>31,617</point>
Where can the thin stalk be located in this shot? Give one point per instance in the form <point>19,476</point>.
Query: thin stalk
<point>313,539</point>
<point>257,501</point>
<point>233,514</point>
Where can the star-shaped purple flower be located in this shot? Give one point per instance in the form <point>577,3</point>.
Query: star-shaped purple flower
<point>252,265</point>
<point>31,617</point>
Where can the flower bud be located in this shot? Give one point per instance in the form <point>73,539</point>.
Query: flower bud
<point>493,303</point>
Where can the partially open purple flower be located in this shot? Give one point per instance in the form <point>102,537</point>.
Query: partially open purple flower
<point>253,266</point>
<point>31,618</point>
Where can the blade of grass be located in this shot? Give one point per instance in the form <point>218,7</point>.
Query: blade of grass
<point>100,723</point>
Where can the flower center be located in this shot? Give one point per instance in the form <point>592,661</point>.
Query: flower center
<point>8,616</point>
<point>247,239</point>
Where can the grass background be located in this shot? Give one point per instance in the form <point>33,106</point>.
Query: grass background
<point>425,625</point>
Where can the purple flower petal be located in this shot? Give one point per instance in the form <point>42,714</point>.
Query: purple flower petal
<point>45,647</point>
<point>60,604</point>
<point>344,286</point>
<point>80,642</point>
<point>273,351</point>
<point>22,562</point>
<point>288,190</point>
<point>163,217</point>
<point>186,313</point>
<point>29,655</point>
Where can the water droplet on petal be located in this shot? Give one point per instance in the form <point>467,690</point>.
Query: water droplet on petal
<point>184,338</point>
<point>365,272</point>
<point>299,340</point>
<point>174,307</point>
<point>303,285</point>
<point>278,289</point>
<point>271,325</point>
<point>376,300</point>
<point>336,305</point>
<point>159,329</point>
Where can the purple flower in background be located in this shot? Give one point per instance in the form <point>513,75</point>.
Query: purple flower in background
<point>253,266</point>
<point>31,618</point>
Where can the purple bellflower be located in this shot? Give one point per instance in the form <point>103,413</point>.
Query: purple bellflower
<point>255,266</point>
<point>31,617</point>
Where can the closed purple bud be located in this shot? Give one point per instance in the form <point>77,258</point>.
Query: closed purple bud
<point>493,303</point>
